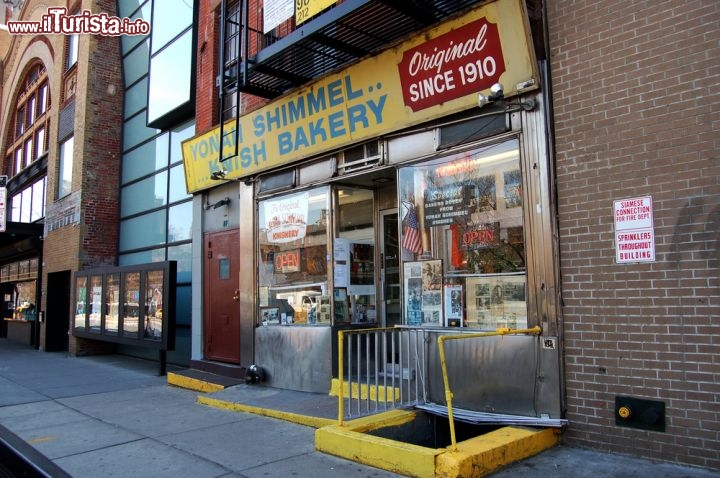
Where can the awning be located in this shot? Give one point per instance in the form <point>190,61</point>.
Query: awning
<point>20,240</point>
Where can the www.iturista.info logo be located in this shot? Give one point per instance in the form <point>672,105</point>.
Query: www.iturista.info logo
<point>57,21</point>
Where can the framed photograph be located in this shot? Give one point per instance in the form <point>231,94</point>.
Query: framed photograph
<point>453,297</point>
<point>340,309</point>
<point>413,292</point>
<point>423,292</point>
<point>269,316</point>
<point>496,301</point>
<point>324,312</point>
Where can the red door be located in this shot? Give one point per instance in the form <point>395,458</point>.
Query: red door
<point>221,322</point>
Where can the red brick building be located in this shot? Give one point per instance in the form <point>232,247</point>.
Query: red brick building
<point>635,113</point>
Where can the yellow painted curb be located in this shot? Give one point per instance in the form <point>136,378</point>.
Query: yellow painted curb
<point>375,393</point>
<point>484,454</point>
<point>192,383</point>
<point>473,458</point>
<point>315,422</point>
<point>352,443</point>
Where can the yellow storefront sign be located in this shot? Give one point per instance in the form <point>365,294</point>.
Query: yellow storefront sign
<point>433,75</point>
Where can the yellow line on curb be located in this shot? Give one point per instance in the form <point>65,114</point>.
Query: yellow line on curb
<point>474,457</point>
<point>192,383</point>
<point>315,422</point>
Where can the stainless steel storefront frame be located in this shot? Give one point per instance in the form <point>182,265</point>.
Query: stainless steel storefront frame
<point>302,357</point>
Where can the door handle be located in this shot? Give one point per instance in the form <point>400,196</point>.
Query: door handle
<point>236,295</point>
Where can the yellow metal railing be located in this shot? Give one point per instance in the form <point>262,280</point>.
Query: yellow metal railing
<point>537,330</point>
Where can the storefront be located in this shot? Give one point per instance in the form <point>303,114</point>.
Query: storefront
<point>20,254</point>
<point>392,194</point>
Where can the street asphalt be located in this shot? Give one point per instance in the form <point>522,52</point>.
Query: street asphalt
<point>114,416</point>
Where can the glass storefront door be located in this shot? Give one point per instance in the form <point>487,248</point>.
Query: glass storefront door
<point>390,274</point>
<point>354,243</point>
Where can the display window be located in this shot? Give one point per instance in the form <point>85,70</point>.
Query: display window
<point>463,239</point>
<point>24,298</point>
<point>80,319</point>
<point>112,303</point>
<point>95,304</point>
<point>128,304</point>
<point>293,259</point>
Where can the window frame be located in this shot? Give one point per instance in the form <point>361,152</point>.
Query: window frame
<point>63,165</point>
<point>33,94</point>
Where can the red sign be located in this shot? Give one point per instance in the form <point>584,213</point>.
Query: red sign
<point>463,61</point>
<point>287,261</point>
<point>472,238</point>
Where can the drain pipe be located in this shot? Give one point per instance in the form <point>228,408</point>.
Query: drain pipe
<point>537,330</point>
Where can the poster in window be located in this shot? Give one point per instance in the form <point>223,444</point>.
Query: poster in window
<point>413,292</point>
<point>286,218</point>
<point>269,316</point>
<point>447,204</point>
<point>453,305</point>
<point>340,310</point>
<point>324,312</point>
<point>485,199</point>
<point>152,328</point>
<point>423,292</point>
<point>496,301</point>
<point>512,189</point>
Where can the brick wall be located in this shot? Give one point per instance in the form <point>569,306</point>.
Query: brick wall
<point>207,109</point>
<point>636,96</point>
<point>101,148</point>
<point>96,125</point>
<point>206,98</point>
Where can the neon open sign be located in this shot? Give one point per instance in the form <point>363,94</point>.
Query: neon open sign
<point>287,261</point>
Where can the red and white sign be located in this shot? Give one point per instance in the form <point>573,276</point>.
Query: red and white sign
<point>286,218</point>
<point>634,232</point>
<point>463,61</point>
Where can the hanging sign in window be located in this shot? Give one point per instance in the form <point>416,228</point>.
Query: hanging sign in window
<point>448,204</point>
<point>286,218</point>
<point>287,261</point>
<point>634,234</point>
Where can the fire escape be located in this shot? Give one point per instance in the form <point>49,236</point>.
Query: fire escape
<point>269,64</point>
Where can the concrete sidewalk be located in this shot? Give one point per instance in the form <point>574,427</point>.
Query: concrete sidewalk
<point>113,416</point>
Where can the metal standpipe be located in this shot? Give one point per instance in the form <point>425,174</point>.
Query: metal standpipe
<point>537,330</point>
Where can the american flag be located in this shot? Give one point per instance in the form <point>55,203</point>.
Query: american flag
<point>411,233</point>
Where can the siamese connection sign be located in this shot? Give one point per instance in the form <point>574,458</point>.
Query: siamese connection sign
<point>634,233</point>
